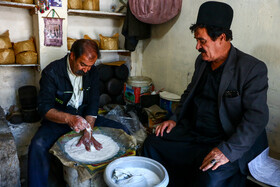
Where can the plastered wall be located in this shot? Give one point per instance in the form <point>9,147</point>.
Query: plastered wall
<point>168,57</point>
<point>48,54</point>
<point>22,25</point>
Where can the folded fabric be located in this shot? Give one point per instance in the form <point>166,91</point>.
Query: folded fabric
<point>155,111</point>
<point>265,169</point>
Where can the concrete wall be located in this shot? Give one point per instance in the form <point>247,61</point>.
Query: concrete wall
<point>168,57</point>
<point>22,26</point>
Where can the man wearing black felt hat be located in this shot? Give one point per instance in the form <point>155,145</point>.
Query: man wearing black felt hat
<point>219,125</point>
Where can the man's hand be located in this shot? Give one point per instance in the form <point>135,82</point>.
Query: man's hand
<point>170,124</point>
<point>87,139</point>
<point>213,160</point>
<point>77,123</point>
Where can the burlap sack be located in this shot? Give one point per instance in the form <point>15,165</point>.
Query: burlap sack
<point>70,42</point>
<point>28,57</point>
<point>91,5</point>
<point>88,171</point>
<point>75,4</point>
<point>7,56</point>
<point>24,1</point>
<point>89,38</point>
<point>24,46</point>
<point>5,41</point>
<point>109,43</point>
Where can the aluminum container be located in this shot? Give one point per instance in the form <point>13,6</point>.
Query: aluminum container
<point>136,162</point>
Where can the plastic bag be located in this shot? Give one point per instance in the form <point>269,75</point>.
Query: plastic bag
<point>5,42</point>
<point>28,57</point>
<point>70,42</point>
<point>109,43</point>
<point>129,120</point>
<point>24,46</point>
<point>75,4</point>
<point>7,56</point>
<point>89,38</point>
<point>91,5</point>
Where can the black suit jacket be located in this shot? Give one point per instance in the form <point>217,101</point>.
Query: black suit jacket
<point>56,90</point>
<point>243,114</point>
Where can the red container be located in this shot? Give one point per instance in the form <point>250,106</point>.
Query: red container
<point>137,86</point>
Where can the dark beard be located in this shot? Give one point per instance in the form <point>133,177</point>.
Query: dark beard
<point>80,73</point>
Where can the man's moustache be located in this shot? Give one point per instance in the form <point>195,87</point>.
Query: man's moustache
<point>80,72</point>
<point>201,50</point>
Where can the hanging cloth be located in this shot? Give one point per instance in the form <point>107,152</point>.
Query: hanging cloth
<point>155,11</point>
<point>134,30</point>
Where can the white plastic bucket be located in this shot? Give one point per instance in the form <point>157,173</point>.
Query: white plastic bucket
<point>136,162</point>
<point>135,87</point>
<point>169,101</point>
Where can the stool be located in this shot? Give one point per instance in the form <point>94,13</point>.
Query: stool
<point>249,177</point>
<point>72,180</point>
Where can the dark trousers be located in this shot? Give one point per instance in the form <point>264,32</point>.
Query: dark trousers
<point>39,157</point>
<point>182,160</point>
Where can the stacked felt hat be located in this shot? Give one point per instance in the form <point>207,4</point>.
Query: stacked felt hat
<point>28,101</point>
<point>111,82</point>
<point>216,14</point>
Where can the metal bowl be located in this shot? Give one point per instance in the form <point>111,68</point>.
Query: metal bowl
<point>136,162</point>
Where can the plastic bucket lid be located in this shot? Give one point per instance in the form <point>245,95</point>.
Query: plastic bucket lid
<point>139,81</point>
<point>169,96</point>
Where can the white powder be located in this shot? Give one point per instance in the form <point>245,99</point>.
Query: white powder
<point>139,177</point>
<point>110,149</point>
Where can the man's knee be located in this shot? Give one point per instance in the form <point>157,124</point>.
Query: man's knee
<point>226,175</point>
<point>38,144</point>
<point>150,140</point>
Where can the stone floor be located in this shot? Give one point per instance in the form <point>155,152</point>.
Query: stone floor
<point>23,170</point>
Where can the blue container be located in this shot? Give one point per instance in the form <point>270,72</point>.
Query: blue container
<point>169,102</point>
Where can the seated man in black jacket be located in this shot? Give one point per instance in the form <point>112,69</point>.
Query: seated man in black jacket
<point>219,124</point>
<point>68,100</point>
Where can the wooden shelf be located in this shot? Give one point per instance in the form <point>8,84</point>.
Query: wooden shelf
<point>19,65</point>
<point>17,5</point>
<point>95,13</point>
<point>112,51</point>
<point>115,51</point>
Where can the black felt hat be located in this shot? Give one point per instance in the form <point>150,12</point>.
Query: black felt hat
<point>214,13</point>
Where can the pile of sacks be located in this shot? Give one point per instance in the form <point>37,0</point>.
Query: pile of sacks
<point>23,52</point>
<point>105,42</point>
<point>85,4</point>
